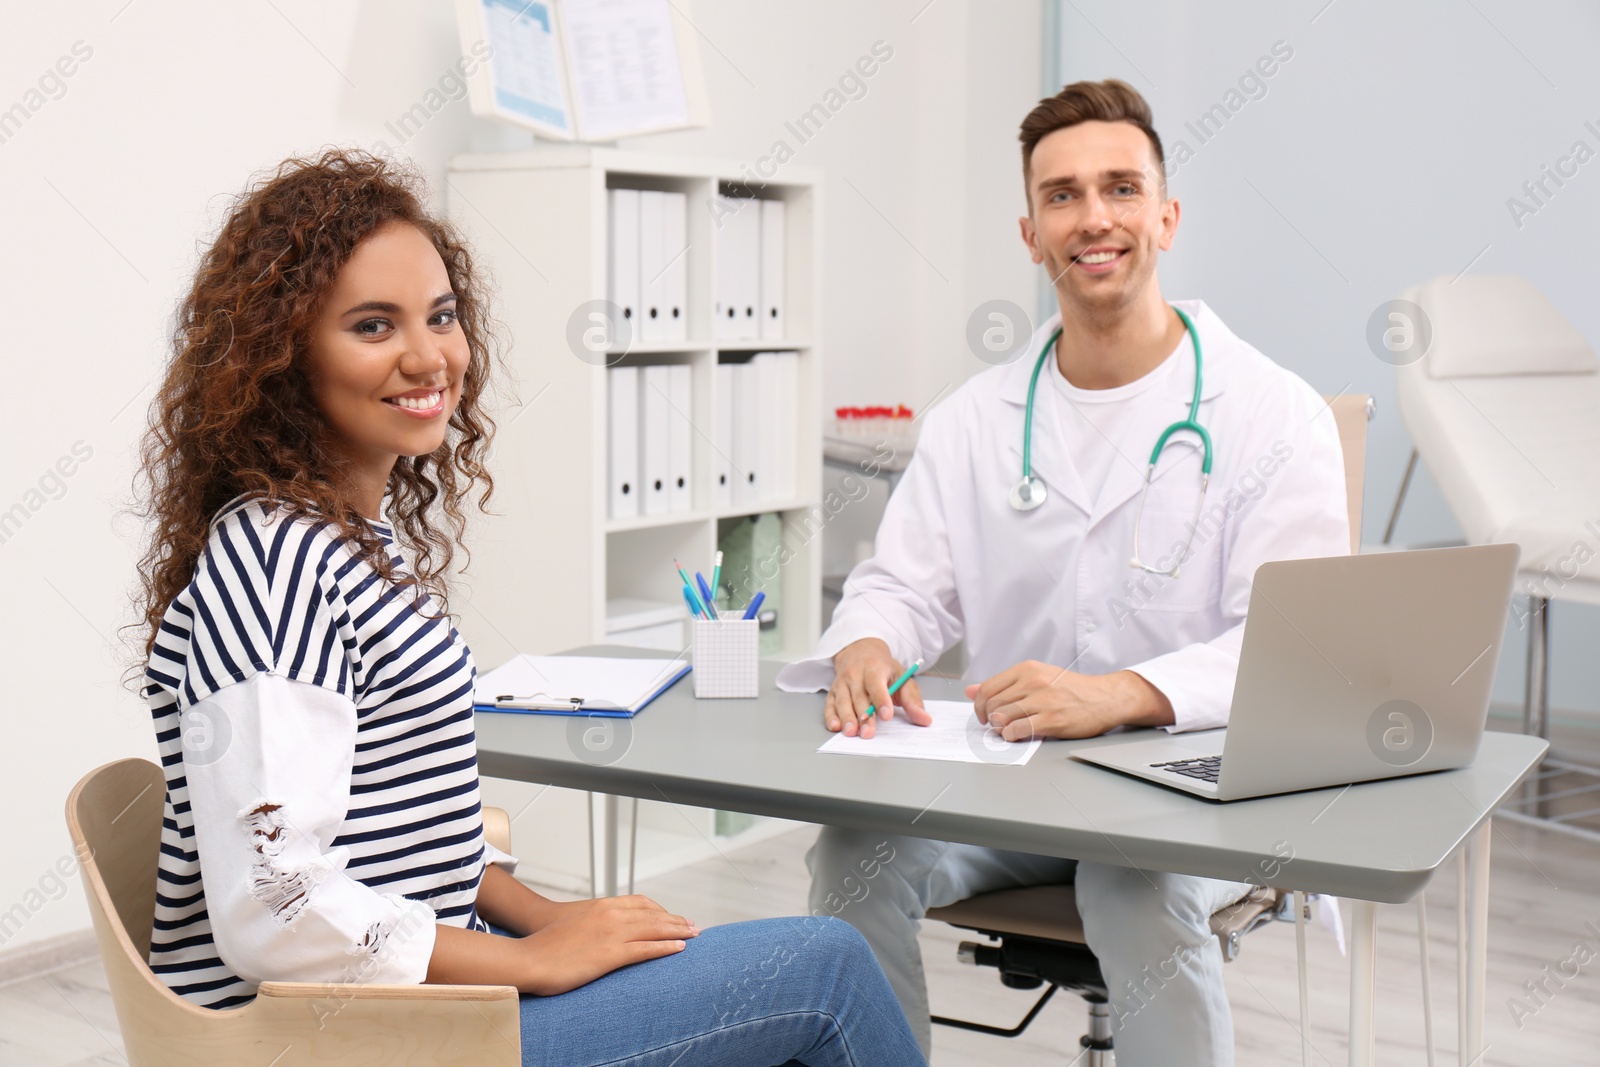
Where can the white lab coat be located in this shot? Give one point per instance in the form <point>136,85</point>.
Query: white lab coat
<point>953,560</point>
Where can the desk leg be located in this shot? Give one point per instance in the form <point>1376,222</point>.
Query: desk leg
<point>1300,909</point>
<point>1427,975</point>
<point>1473,947</point>
<point>604,839</point>
<point>1363,982</point>
<point>1461,956</point>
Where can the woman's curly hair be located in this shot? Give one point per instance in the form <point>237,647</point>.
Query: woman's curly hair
<point>235,414</point>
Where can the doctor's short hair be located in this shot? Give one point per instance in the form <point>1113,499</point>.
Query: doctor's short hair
<point>1112,100</point>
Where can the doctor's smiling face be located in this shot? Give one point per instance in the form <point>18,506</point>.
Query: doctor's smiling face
<point>1098,215</point>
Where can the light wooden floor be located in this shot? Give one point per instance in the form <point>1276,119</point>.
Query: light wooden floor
<point>1545,886</point>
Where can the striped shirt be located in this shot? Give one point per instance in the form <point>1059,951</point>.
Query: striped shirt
<point>315,727</point>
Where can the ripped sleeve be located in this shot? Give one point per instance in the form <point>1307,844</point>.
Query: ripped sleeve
<point>283,890</point>
<point>268,764</point>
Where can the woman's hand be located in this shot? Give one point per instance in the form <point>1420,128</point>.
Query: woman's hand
<point>591,938</point>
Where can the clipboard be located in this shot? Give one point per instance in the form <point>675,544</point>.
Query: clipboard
<point>576,685</point>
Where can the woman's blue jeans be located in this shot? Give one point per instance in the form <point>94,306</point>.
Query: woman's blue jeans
<point>802,990</point>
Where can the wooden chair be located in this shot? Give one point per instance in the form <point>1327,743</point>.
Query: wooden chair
<point>1039,931</point>
<point>114,815</point>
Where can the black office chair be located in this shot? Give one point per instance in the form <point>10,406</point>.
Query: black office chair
<point>1041,941</point>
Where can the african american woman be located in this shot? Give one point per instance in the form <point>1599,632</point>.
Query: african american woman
<point>313,447</point>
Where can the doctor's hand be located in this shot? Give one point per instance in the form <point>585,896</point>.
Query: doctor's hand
<point>863,672</point>
<point>1034,699</point>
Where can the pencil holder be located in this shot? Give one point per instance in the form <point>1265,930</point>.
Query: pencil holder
<point>727,658</point>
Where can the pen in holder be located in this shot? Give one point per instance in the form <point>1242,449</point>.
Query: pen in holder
<point>727,658</point>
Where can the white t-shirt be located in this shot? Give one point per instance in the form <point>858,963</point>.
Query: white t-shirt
<point>1093,422</point>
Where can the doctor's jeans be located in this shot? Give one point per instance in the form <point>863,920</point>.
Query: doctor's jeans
<point>771,992</point>
<point>1151,932</point>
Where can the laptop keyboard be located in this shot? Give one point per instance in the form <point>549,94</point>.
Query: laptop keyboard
<point>1205,768</point>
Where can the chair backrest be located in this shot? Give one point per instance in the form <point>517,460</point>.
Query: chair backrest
<point>1350,413</point>
<point>114,816</point>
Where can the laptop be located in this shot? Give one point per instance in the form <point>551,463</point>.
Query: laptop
<point>1353,668</point>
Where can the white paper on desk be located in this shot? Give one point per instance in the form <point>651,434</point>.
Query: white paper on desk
<point>956,736</point>
<point>597,681</point>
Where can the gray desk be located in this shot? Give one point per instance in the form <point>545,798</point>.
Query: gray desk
<point>1374,842</point>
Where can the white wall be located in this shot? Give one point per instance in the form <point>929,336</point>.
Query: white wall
<point>923,172</point>
<point>123,167</point>
<point>922,194</point>
<point>1382,154</point>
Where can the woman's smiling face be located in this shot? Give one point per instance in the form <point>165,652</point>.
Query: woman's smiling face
<point>387,356</point>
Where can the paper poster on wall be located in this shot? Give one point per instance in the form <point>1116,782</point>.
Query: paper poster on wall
<point>587,70</point>
<point>624,61</point>
<point>527,80</point>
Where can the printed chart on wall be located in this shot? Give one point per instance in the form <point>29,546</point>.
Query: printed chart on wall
<point>586,70</point>
<point>524,68</point>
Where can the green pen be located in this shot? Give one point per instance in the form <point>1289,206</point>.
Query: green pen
<point>898,682</point>
<point>694,595</point>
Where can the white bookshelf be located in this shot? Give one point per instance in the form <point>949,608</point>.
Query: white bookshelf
<point>544,565</point>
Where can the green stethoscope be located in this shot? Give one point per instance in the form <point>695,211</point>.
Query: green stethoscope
<point>1030,492</point>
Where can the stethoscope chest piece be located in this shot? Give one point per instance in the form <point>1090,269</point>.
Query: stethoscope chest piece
<point>1027,494</point>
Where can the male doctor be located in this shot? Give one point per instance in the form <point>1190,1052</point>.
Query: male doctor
<point>1070,638</point>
